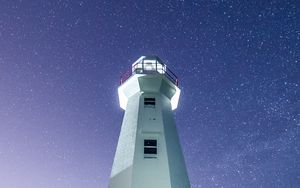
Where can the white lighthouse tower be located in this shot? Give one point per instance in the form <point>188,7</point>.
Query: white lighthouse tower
<point>148,154</point>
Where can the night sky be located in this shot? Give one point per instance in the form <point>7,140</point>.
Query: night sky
<point>238,64</point>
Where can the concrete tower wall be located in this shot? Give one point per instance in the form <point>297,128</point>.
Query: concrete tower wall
<point>176,161</point>
<point>121,173</point>
<point>151,172</point>
<point>133,167</point>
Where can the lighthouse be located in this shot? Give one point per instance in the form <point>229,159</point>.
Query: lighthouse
<point>148,153</point>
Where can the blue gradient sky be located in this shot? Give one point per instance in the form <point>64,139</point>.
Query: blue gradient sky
<point>238,66</point>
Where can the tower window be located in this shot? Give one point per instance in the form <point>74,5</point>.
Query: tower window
<point>149,102</point>
<point>149,143</point>
<point>150,148</point>
<point>150,151</point>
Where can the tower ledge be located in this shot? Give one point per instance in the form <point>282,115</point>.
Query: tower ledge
<point>149,74</point>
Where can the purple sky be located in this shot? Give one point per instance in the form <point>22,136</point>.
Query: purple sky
<point>238,66</point>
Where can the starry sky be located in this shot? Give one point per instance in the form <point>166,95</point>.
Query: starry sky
<point>238,66</point>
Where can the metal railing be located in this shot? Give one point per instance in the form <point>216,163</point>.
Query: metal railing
<point>144,67</point>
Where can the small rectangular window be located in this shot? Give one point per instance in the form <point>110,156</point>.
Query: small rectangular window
<point>150,143</point>
<point>150,148</point>
<point>149,102</point>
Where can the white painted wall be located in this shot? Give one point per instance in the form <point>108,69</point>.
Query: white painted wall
<point>130,168</point>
